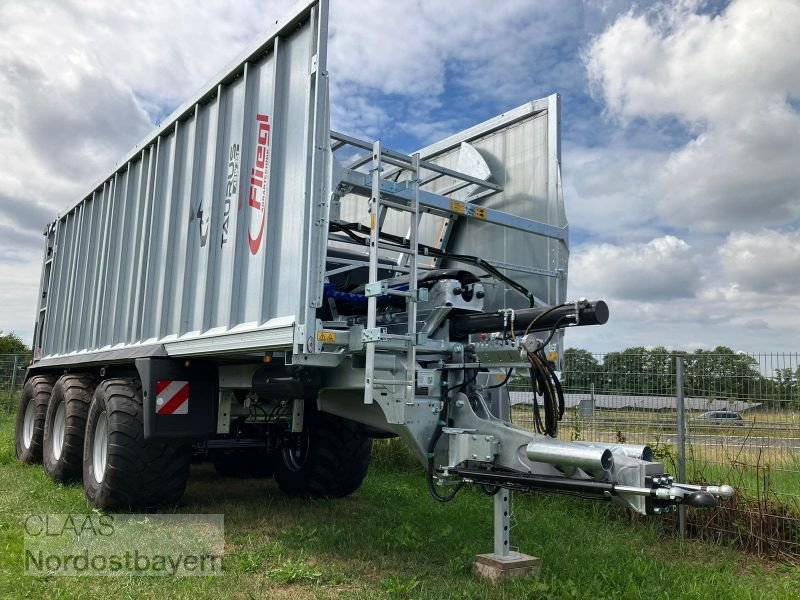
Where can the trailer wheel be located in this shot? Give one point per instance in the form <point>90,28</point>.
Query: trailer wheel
<point>29,432</point>
<point>256,462</point>
<point>120,468</point>
<point>330,461</point>
<point>64,426</point>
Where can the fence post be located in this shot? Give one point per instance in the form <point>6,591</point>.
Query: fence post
<point>681,438</point>
<point>13,385</point>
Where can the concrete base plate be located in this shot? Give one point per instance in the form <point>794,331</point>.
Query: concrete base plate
<point>495,569</point>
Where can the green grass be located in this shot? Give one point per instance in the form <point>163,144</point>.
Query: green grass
<point>391,540</point>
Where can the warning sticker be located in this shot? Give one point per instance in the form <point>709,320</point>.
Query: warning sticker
<point>172,397</point>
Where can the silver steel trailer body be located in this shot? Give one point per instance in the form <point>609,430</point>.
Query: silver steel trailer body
<point>203,232</point>
<point>256,288</point>
<point>521,151</point>
<point>211,235</point>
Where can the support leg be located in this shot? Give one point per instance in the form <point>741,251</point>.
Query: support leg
<point>504,562</point>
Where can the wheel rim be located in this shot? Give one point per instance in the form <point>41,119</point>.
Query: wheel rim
<point>59,428</point>
<point>100,449</point>
<point>295,458</point>
<point>28,422</point>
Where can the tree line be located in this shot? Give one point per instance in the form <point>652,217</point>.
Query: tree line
<point>721,373</point>
<point>11,344</point>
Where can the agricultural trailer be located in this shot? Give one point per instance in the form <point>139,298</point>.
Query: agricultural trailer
<point>250,287</point>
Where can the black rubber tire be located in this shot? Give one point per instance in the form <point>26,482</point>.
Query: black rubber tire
<point>37,390</point>
<point>138,474</point>
<point>255,462</point>
<point>75,392</point>
<point>334,463</point>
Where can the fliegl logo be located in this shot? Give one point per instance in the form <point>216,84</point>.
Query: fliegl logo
<point>259,186</point>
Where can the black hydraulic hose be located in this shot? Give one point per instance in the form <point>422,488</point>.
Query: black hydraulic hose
<point>464,383</point>
<point>502,383</point>
<point>539,482</point>
<point>350,228</point>
<point>544,381</point>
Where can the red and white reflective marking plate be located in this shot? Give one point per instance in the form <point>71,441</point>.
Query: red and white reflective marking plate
<point>172,397</point>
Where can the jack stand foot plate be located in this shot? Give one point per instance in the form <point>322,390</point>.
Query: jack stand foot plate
<point>495,568</point>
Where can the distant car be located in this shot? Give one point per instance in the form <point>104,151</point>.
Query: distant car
<point>721,417</point>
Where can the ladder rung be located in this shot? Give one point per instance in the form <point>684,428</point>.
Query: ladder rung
<point>398,206</point>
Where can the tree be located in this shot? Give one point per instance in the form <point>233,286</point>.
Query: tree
<point>581,370</point>
<point>787,386</point>
<point>623,370</point>
<point>722,373</point>
<point>719,373</point>
<point>10,343</point>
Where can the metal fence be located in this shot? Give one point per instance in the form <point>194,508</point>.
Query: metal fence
<point>12,376</point>
<point>742,427</point>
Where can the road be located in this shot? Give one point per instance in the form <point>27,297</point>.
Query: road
<point>792,443</point>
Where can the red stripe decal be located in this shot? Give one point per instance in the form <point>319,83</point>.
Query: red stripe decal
<point>161,385</point>
<point>175,402</point>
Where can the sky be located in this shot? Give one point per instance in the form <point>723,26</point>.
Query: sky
<point>680,132</point>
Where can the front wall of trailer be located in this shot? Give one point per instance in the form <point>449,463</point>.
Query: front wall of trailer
<point>523,158</point>
<point>521,149</point>
<point>201,231</point>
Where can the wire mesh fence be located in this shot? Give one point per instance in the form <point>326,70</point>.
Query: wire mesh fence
<point>12,377</point>
<point>742,424</point>
<point>742,428</point>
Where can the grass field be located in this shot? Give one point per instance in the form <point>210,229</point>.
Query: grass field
<point>391,540</point>
<point>758,458</point>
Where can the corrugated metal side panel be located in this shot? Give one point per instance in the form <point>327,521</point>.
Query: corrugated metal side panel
<point>521,155</point>
<point>174,245</point>
<point>519,158</point>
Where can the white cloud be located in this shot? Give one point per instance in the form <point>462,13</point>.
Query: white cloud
<point>438,63</point>
<point>83,81</point>
<point>17,295</point>
<point>765,262</point>
<point>608,192</point>
<point>80,84</point>
<point>673,61</point>
<point>729,78</point>
<point>740,294</point>
<point>727,83</point>
<point>664,268</point>
<point>407,48</point>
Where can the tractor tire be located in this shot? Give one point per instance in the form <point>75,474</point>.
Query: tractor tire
<point>330,462</point>
<point>255,463</point>
<point>29,434</point>
<point>120,469</point>
<point>65,425</point>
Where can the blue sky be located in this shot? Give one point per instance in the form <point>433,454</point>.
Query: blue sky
<point>680,131</point>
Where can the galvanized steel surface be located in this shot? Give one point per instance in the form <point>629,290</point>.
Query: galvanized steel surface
<point>211,236</point>
<point>201,230</point>
<point>522,150</point>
